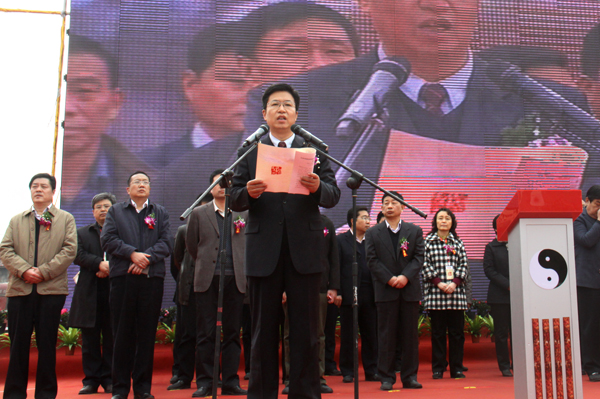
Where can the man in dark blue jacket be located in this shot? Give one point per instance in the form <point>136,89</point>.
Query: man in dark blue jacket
<point>136,236</point>
<point>587,262</point>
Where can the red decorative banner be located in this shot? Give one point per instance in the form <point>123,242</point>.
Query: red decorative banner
<point>547,359</point>
<point>537,360</point>
<point>568,357</point>
<point>560,389</point>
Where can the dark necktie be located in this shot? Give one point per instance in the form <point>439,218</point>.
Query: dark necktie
<point>282,144</point>
<point>433,95</point>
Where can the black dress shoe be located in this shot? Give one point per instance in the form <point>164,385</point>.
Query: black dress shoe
<point>107,388</point>
<point>506,373</point>
<point>247,376</point>
<point>458,375</point>
<point>326,389</point>
<point>143,396</point>
<point>235,390</point>
<point>386,386</point>
<point>463,368</point>
<point>412,384</point>
<point>438,375</point>
<point>179,385</point>
<point>174,379</point>
<point>347,379</point>
<point>286,390</point>
<point>374,377</point>
<point>333,372</point>
<point>88,389</point>
<point>595,376</point>
<point>117,396</point>
<point>202,392</point>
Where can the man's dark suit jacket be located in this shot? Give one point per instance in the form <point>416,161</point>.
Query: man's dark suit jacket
<point>346,250</point>
<point>330,279</point>
<point>274,214</point>
<point>385,261</point>
<point>495,266</point>
<point>89,256</point>
<point>184,266</point>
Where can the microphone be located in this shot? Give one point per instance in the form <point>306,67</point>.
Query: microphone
<point>310,138</point>
<point>388,74</point>
<point>580,127</point>
<point>254,137</point>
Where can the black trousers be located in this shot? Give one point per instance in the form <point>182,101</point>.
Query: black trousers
<point>333,312</point>
<point>206,328</point>
<point>186,350</point>
<point>247,336</point>
<point>589,328</point>
<point>25,313</point>
<point>502,330</point>
<point>303,309</point>
<point>367,324</point>
<point>177,341</point>
<point>452,321</point>
<point>135,306</point>
<point>97,344</point>
<point>395,318</point>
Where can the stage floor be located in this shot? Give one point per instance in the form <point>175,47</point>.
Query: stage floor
<point>483,378</point>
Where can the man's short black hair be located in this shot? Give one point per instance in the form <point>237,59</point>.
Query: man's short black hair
<point>590,54</point>
<point>258,23</point>
<point>280,87</point>
<point>593,193</point>
<point>86,46</point>
<point>216,172</point>
<point>137,172</point>
<point>380,215</point>
<point>48,176</point>
<point>526,57</point>
<point>495,222</point>
<point>352,216</point>
<point>396,193</point>
<point>103,196</point>
<point>211,41</point>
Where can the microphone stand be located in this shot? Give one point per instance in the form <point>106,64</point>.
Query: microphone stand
<point>354,182</point>
<point>225,181</point>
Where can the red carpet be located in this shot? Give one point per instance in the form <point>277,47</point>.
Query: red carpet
<point>483,378</point>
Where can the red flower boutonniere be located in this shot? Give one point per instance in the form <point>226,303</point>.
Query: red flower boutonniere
<point>239,224</point>
<point>404,246</point>
<point>150,221</point>
<point>325,231</point>
<point>46,220</point>
<point>449,249</point>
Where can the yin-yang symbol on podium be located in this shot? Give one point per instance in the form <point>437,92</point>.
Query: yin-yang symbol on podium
<point>548,269</point>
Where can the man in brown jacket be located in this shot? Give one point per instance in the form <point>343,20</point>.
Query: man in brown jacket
<point>38,247</point>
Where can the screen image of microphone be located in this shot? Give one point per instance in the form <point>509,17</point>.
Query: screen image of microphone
<point>254,137</point>
<point>581,128</point>
<point>309,137</point>
<point>388,74</point>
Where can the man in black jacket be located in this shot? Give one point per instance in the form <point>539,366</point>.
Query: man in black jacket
<point>495,266</point>
<point>395,253</point>
<point>90,309</point>
<point>367,311</point>
<point>136,236</point>
<point>284,246</point>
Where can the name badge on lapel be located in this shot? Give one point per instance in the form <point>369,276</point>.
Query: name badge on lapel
<point>450,272</point>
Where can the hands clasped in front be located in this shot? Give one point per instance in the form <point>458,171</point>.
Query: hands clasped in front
<point>140,261</point>
<point>447,288</point>
<point>398,281</point>
<point>256,187</point>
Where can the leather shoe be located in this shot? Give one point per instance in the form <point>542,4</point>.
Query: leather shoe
<point>174,379</point>
<point>333,372</point>
<point>143,396</point>
<point>347,379</point>
<point>374,377</point>
<point>438,375</point>
<point>506,373</point>
<point>463,368</point>
<point>412,384</point>
<point>202,392</point>
<point>458,375</point>
<point>117,396</point>
<point>179,385</point>
<point>107,388</point>
<point>286,390</point>
<point>247,376</point>
<point>595,376</point>
<point>386,386</point>
<point>88,389</point>
<point>234,390</point>
<point>326,389</point>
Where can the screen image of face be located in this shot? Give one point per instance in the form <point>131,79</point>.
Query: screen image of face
<point>177,98</point>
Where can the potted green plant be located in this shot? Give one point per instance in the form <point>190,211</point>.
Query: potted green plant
<point>424,325</point>
<point>165,334</point>
<point>474,327</point>
<point>69,339</point>
<point>3,315</point>
<point>489,325</point>
<point>4,341</point>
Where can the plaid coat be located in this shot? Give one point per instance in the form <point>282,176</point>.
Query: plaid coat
<point>436,260</point>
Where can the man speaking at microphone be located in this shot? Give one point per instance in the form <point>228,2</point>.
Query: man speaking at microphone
<point>284,240</point>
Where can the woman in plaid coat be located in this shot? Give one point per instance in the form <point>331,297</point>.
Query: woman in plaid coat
<point>444,272</point>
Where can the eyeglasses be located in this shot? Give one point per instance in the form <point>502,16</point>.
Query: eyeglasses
<point>286,105</point>
<point>364,218</point>
<point>140,182</point>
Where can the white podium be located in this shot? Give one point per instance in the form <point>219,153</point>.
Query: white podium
<point>538,226</point>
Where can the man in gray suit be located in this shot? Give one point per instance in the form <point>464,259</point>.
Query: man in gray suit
<point>205,227</point>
